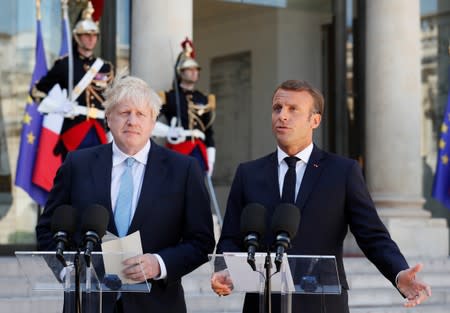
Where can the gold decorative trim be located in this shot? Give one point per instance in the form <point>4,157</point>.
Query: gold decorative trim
<point>162,96</point>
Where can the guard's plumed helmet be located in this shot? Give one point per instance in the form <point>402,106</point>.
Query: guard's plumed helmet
<point>86,25</point>
<point>186,59</point>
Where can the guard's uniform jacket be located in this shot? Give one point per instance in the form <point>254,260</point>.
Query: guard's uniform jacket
<point>197,111</point>
<point>81,131</point>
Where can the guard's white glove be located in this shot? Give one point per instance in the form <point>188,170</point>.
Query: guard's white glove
<point>175,134</point>
<point>211,152</point>
<point>109,137</point>
<point>197,133</point>
<point>160,130</point>
<point>57,102</point>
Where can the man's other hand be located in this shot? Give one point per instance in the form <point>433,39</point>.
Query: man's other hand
<point>413,289</point>
<point>221,283</point>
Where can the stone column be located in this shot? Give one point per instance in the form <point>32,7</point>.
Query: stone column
<point>157,29</point>
<point>393,126</point>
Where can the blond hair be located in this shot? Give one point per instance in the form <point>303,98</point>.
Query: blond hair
<point>130,88</point>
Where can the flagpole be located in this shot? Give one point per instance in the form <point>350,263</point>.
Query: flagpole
<point>38,18</point>
<point>38,9</point>
<point>65,11</point>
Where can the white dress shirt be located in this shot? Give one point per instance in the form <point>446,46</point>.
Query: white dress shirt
<point>300,167</point>
<point>137,170</point>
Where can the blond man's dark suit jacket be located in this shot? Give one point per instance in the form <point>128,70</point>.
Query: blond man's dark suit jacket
<point>173,216</point>
<point>332,197</point>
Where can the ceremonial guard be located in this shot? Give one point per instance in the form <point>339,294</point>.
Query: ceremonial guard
<point>84,124</point>
<point>189,112</point>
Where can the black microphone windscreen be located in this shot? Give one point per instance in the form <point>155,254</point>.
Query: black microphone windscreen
<point>96,219</point>
<point>64,219</point>
<point>286,219</point>
<point>253,219</point>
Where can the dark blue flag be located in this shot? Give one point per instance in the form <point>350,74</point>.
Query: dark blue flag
<point>441,186</point>
<point>64,49</point>
<point>31,130</point>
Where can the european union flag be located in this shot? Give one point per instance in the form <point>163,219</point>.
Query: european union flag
<point>31,130</point>
<point>441,187</point>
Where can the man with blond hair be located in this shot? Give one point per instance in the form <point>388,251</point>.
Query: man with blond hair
<point>168,202</point>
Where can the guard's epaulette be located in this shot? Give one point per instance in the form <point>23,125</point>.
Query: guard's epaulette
<point>212,101</point>
<point>162,96</point>
<point>62,57</point>
<point>111,66</point>
<point>36,93</point>
<point>110,74</point>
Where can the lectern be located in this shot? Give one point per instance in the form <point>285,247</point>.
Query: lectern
<point>45,272</point>
<point>299,274</point>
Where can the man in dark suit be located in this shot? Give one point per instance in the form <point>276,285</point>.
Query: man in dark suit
<point>168,202</point>
<point>331,195</point>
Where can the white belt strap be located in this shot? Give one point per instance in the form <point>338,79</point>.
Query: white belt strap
<point>89,112</point>
<point>87,78</point>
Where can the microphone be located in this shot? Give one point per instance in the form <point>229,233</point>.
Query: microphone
<point>253,227</point>
<point>285,221</point>
<point>63,225</point>
<point>94,223</point>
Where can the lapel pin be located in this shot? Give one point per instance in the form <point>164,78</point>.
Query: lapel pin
<point>315,165</point>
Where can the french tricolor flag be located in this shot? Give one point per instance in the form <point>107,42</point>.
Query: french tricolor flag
<point>47,163</point>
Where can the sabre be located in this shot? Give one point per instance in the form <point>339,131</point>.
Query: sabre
<point>65,9</point>
<point>212,194</point>
<point>175,86</point>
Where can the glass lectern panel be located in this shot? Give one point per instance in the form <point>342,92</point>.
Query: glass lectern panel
<point>288,275</point>
<point>299,274</point>
<point>45,272</point>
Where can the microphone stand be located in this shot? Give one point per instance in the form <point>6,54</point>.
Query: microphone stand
<point>267,286</point>
<point>88,291</point>
<point>76,264</point>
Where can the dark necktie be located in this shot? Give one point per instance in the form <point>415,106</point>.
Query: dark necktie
<point>288,194</point>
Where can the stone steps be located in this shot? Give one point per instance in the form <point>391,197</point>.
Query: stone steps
<point>9,267</point>
<point>363,265</point>
<point>370,292</point>
<point>16,295</point>
<point>374,297</point>
<point>37,304</point>
<point>377,280</point>
<point>209,303</point>
<point>400,309</point>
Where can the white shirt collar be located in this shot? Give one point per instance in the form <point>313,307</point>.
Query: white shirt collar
<point>303,155</point>
<point>119,156</point>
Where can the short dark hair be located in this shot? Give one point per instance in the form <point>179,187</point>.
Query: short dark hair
<point>301,85</point>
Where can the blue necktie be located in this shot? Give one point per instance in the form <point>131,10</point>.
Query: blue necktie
<point>122,213</point>
<point>288,193</point>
